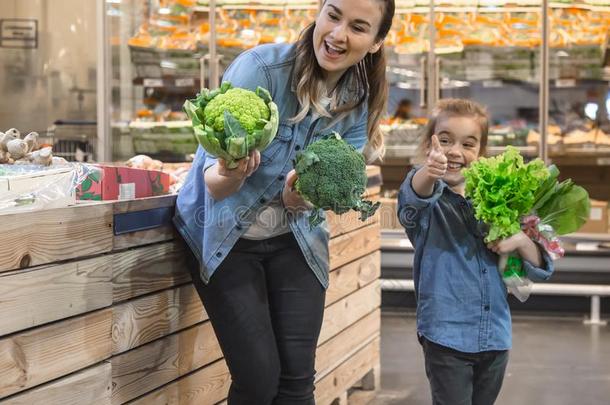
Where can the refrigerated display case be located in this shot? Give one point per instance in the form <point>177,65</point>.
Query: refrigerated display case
<point>164,51</point>
<point>496,52</point>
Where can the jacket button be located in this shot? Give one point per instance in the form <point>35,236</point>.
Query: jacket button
<point>238,227</point>
<point>484,271</point>
<point>280,177</point>
<point>262,201</point>
<point>218,254</point>
<point>486,307</point>
<point>298,147</point>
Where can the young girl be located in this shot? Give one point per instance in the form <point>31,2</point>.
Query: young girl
<point>261,272</point>
<point>463,318</point>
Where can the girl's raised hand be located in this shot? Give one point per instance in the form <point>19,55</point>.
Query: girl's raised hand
<point>436,163</point>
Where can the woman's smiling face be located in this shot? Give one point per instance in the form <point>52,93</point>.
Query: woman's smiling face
<point>346,30</point>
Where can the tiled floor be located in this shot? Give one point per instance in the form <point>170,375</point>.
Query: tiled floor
<point>554,361</point>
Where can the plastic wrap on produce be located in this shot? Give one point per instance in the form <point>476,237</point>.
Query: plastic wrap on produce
<point>33,187</point>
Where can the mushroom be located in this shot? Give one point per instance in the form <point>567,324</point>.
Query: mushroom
<point>5,157</point>
<point>42,156</point>
<point>14,132</point>
<point>6,138</point>
<point>32,140</point>
<point>18,148</point>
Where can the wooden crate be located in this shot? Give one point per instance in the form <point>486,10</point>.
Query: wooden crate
<point>92,317</point>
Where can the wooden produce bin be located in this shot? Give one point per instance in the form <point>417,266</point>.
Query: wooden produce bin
<point>96,307</point>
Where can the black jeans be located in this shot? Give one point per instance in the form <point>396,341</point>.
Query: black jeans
<point>458,378</point>
<point>266,307</point>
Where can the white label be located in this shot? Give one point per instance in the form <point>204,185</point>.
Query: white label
<point>587,246</point>
<point>185,82</point>
<point>563,83</point>
<point>492,84</point>
<point>603,161</point>
<point>153,83</point>
<point>127,191</point>
<point>596,214</point>
<point>406,243</point>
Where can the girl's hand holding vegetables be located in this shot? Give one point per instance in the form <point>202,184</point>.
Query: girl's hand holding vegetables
<point>519,243</point>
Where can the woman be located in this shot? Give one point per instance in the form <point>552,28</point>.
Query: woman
<point>262,273</point>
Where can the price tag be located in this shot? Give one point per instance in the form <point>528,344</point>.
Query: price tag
<point>603,161</point>
<point>185,82</point>
<point>492,84</point>
<point>406,243</point>
<point>565,83</point>
<point>153,83</point>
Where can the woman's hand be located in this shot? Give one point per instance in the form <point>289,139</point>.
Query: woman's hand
<point>293,201</point>
<point>223,182</point>
<point>245,168</point>
<point>520,243</point>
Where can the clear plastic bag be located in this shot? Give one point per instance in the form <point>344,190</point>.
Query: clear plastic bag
<point>514,277</point>
<point>34,187</point>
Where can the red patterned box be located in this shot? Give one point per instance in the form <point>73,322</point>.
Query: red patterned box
<point>122,183</point>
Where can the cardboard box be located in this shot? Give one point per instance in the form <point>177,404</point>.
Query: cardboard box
<point>30,187</point>
<point>122,183</point>
<point>598,218</point>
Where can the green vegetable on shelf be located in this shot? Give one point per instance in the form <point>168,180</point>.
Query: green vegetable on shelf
<point>229,122</point>
<point>332,176</point>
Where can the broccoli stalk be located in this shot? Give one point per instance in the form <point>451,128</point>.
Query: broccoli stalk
<point>332,176</point>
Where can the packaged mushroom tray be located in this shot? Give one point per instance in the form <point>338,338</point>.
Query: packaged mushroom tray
<point>32,178</point>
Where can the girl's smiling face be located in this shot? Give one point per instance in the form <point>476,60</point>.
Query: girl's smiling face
<point>345,31</point>
<point>460,138</point>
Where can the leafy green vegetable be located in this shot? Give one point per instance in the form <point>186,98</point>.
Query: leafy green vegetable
<point>565,207</point>
<point>332,176</point>
<point>231,122</point>
<point>503,188</point>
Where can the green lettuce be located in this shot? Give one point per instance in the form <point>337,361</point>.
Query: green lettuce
<point>503,189</point>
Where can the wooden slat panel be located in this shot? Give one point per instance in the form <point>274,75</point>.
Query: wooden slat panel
<point>33,297</point>
<point>91,387</point>
<point>141,238</point>
<point>349,247</point>
<point>350,221</point>
<point>148,367</point>
<point>143,320</point>
<point>347,374</point>
<point>344,313</point>
<point>42,354</point>
<point>148,269</point>
<point>142,204</point>
<point>349,278</point>
<point>206,386</point>
<point>333,352</point>
<point>47,236</point>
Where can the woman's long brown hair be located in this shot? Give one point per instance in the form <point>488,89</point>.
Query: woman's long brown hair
<point>368,78</point>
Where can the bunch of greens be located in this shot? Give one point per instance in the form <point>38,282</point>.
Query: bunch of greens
<point>332,176</point>
<point>230,122</point>
<point>503,189</point>
<point>564,206</point>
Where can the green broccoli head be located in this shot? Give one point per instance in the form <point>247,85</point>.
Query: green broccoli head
<point>243,104</point>
<point>332,176</point>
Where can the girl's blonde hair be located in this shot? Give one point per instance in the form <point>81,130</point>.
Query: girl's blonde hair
<point>368,78</point>
<point>454,107</point>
